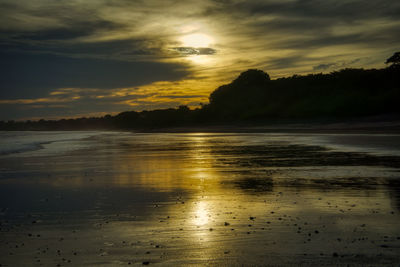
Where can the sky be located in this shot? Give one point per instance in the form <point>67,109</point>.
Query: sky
<point>75,58</point>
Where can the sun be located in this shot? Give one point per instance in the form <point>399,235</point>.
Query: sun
<point>197,40</point>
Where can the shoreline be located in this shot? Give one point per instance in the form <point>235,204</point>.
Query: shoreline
<point>357,127</point>
<point>380,124</point>
<point>318,128</point>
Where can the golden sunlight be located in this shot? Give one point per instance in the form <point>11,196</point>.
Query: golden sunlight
<point>201,59</point>
<point>201,214</point>
<point>197,40</point>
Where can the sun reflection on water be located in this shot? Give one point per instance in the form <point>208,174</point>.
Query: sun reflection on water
<point>201,216</point>
<point>188,199</point>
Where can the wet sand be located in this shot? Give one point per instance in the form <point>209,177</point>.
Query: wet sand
<point>203,200</point>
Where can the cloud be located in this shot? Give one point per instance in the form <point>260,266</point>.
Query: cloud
<point>337,65</point>
<point>189,51</point>
<point>72,102</point>
<point>72,30</point>
<point>323,66</point>
<point>27,75</point>
<point>102,46</point>
<point>348,10</point>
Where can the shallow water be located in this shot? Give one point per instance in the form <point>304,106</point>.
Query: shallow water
<point>107,198</point>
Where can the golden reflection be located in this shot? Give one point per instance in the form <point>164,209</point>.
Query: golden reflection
<point>186,169</point>
<point>207,216</point>
<point>201,216</point>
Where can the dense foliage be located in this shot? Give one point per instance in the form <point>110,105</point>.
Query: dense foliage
<point>349,92</point>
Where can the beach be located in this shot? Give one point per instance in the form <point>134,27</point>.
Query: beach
<point>102,198</point>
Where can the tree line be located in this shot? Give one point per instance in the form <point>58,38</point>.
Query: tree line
<point>254,98</point>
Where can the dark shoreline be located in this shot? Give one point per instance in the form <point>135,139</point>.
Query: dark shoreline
<point>388,124</point>
<point>378,125</point>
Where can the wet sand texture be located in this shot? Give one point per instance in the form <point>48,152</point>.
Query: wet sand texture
<point>110,199</point>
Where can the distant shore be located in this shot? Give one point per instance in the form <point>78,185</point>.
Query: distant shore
<point>381,124</point>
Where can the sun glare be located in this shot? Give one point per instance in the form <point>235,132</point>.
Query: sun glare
<point>197,40</point>
<point>200,59</point>
<point>201,215</point>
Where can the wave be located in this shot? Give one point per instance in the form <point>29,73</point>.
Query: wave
<point>22,142</point>
<point>20,148</point>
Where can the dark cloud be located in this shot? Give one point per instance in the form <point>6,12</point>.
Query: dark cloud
<point>371,38</point>
<point>70,30</point>
<point>63,41</point>
<point>311,23</point>
<point>348,10</point>
<point>189,51</point>
<point>27,75</point>
<point>127,49</point>
<point>323,67</point>
<point>336,65</point>
<point>206,51</point>
<point>285,62</point>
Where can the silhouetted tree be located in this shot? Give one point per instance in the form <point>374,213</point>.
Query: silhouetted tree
<point>230,101</point>
<point>183,108</point>
<point>394,60</point>
<point>348,92</point>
